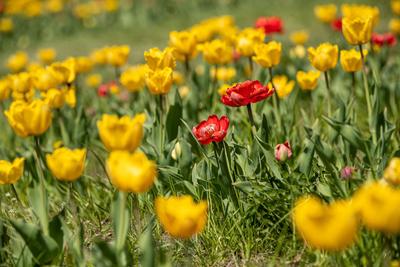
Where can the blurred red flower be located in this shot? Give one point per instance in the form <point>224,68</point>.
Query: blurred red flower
<point>270,24</point>
<point>383,39</point>
<point>211,130</point>
<point>246,93</point>
<point>337,25</point>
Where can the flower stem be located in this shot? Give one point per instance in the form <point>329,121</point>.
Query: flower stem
<point>367,95</point>
<point>328,88</point>
<point>121,227</point>
<point>250,113</point>
<point>251,67</point>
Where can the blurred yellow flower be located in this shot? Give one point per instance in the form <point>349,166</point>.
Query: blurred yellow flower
<point>134,78</point>
<point>362,12</point>
<point>21,82</point>
<point>117,56</point>
<point>184,44</point>
<point>283,86</point>
<point>131,172</point>
<point>6,25</point>
<point>178,78</point>
<point>123,133</point>
<point>45,78</point>
<point>17,61</point>
<point>394,26</point>
<point>351,60</point>
<point>298,51</point>
<point>5,89</point>
<point>159,81</point>
<point>11,172</point>
<point>378,205</point>
<point>54,97</point>
<point>395,5</point>
<point>157,59</point>
<point>330,227</point>
<point>357,30</point>
<point>180,216</point>
<point>325,13</point>
<point>33,8</point>
<point>29,119</point>
<point>99,56</point>
<point>324,57</point>
<point>93,80</point>
<point>223,88</point>
<point>308,81</point>
<point>224,74</point>
<point>392,172</point>
<point>66,164</point>
<point>54,6</point>
<point>46,55</point>
<point>216,52</point>
<point>268,55</point>
<point>248,39</point>
<point>70,97</point>
<point>83,64</point>
<point>299,37</point>
<point>65,70</point>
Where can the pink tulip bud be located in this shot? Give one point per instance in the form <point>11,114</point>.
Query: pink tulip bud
<point>283,151</point>
<point>347,172</point>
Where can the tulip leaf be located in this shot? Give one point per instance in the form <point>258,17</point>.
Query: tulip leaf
<point>120,214</point>
<point>43,248</point>
<point>306,157</point>
<point>147,247</point>
<point>173,118</point>
<point>38,200</point>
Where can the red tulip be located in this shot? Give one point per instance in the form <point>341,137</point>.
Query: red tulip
<point>283,151</point>
<point>211,130</point>
<point>383,39</point>
<point>246,93</point>
<point>103,90</point>
<point>270,24</point>
<point>337,25</point>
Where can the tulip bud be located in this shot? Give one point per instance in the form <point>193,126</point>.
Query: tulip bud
<point>177,151</point>
<point>347,172</point>
<point>283,151</point>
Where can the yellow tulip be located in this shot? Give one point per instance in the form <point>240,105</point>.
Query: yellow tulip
<point>298,51</point>
<point>283,87</point>
<point>54,98</point>
<point>394,26</point>
<point>65,70</point>
<point>357,31</point>
<point>117,56</point>
<point>180,216</point>
<point>361,11</point>
<point>11,172</point>
<point>299,37</point>
<point>395,5</point>
<point>330,227</point>
<point>216,52</point>
<point>123,133</point>
<point>5,89</point>
<point>248,39</point>
<point>134,78</point>
<point>21,82</point>
<point>46,55</point>
<point>29,119</point>
<point>325,13</point>
<point>131,172</point>
<point>268,55</point>
<point>184,44</point>
<point>54,6</point>
<point>157,59</point>
<point>17,61</point>
<point>308,80</point>
<point>46,78</point>
<point>66,164</point>
<point>159,81</point>
<point>70,97</point>
<point>83,64</point>
<point>178,78</point>
<point>224,74</point>
<point>6,25</point>
<point>99,56</point>
<point>324,57</point>
<point>392,172</point>
<point>378,206</point>
<point>351,60</point>
<point>93,80</point>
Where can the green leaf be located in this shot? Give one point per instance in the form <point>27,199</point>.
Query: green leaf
<point>147,247</point>
<point>38,200</point>
<point>120,213</point>
<point>324,189</point>
<point>173,118</point>
<point>43,248</point>
<point>306,157</point>
<point>55,230</point>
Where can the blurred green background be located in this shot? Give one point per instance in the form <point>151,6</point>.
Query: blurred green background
<point>147,24</point>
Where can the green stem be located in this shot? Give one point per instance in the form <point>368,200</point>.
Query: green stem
<point>275,101</point>
<point>328,88</point>
<point>367,96</point>
<point>120,240</point>
<point>251,67</point>
<point>43,196</point>
<point>251,117</point>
